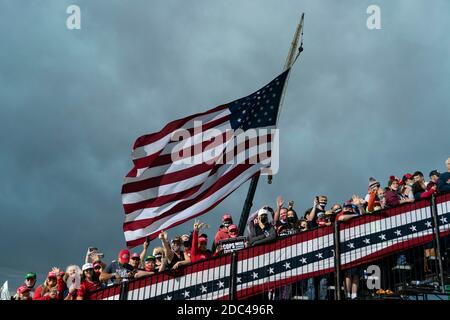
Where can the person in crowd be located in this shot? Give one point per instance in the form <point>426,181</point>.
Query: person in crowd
<point>22,293</point>
<point>135,260</point>
<point>316,212</point>
<point>408,179</point>
<point>233,231</point>
<point>406,192</point>
<point>30,282</point>
<point>419,186</point>
<point>431,187</point>
<point>280,216</point>
<point>149,267</point>
<point>434,178</point>
<point>199,249</point>
<point>392,196</point>
<point>359,204</point>
<point>88,282</point>
<point>172,253</point>
<point>93,255</point>
<point>351,276</point>
<point>98,268</point>
<point>373,196</point>
<point>443,183</point>
<point>263,231</point>
<point>373,187</point>
<point>52,288</point>
<point>329,216</point>
<point>72,278</point>
<point>118,269</point>
<point>222,233</point>
<point>253,221</point>
<point>186,242</point>
<point>302,225</point>
<point>158,253</point>
<point>292,216</point>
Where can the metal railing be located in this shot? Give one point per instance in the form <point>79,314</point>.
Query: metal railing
<point>411,252</point>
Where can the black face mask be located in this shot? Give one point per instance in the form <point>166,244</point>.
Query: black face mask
<point>291,220</point>
<point>264,219</point>
<point>187,244</point>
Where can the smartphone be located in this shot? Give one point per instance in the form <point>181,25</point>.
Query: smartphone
<point>147,239</point>
<point>100,255</point>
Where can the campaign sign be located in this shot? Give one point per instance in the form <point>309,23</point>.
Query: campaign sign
<point>233,244</point>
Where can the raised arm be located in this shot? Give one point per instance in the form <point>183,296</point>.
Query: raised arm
<point>168,253</point>
<point>276,216</point>
<point>144,250</point>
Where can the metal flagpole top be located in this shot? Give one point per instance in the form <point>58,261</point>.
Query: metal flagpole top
<point>290,60</point>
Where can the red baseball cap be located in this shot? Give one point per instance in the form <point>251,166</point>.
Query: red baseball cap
<point>233,227</point>
<point>124,256</point>
<point>22,289</point>
<point>135,255</point>
<point>96,264</point>
<point>226,217</point>
<point>51,274</point>
<point>202,240</point>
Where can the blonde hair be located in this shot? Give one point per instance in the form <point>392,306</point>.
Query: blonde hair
<point>77,269</point>
<point>160,250</point>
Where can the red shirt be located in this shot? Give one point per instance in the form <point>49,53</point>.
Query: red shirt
<point>61,287</point>
<point>196,254</point>
<point>86,287</point>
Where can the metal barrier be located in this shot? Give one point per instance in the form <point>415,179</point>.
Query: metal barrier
<point>403,241</point>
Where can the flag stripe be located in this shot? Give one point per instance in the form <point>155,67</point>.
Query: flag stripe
<point>158,145</point>
<point>137,237</point>
<point>170,127</point>
<point>219,181</point>
<point>164,156</point>
<point>150,211</point>
<point>208,163</point>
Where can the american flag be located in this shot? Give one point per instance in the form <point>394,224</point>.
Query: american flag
<point>162,191</point>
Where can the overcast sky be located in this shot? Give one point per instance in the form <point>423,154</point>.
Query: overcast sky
<point>359,103</point>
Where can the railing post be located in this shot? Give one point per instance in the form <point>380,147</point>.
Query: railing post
<point>233,276</point>
<point>437,238</point>
<point>337,261</point>
<point>124,290</point>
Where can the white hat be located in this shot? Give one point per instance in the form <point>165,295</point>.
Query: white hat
<point>87,266</point>
<point>262,211</point>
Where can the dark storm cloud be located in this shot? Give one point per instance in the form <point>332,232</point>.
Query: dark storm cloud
<point>360,103</point>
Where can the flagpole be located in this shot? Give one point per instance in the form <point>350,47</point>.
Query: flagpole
<point>290,60</point>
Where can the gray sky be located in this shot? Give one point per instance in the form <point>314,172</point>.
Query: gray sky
<point>359,103</point>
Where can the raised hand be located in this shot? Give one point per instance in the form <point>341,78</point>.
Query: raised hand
<point>196,225</point>
<point>56,271</point>
<point>280,201</point>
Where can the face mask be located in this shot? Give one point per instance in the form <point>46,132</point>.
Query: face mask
<point>291,219</point>
<point>322,204</point>
<point>187,244</point>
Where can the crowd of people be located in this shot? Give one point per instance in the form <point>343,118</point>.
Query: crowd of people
<point>263,226</point>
